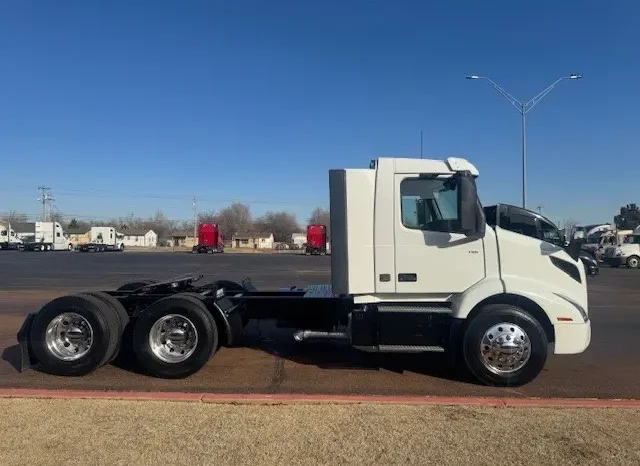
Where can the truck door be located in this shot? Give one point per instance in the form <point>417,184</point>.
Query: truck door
<point>431,255</point>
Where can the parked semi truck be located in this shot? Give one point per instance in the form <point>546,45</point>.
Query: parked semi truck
<point>103,239</point>
<point>415,269</point>
<point>8,237</point>
<point>210,239</point>
<point>316,240</point>
<point>43,236</point>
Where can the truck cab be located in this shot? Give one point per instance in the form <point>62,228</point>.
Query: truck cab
<point>627,252</point>
<point>410,238</point>
<point>8,237</point>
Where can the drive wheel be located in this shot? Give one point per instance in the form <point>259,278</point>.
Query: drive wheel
<point>74,335</point>
<point>120,312</point>
<point>505,346</point>
<point>175,337</point>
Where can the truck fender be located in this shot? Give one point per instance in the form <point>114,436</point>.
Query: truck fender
<point>227,313</point>
<point>27,358</point>
<point>227,317</point>
<point>463,304</point>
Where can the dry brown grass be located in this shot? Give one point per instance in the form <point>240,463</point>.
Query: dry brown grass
<point>83,432</point>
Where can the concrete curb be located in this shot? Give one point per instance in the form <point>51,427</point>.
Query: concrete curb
<point>232,398</point>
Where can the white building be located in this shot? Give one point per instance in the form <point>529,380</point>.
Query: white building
<point>140,238</point>
<point>252,240</point>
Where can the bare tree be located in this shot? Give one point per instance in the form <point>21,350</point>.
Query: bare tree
<point>235,218</point>
<point>321,216</point>
<point>281,224</point>
<point>570,228</point>
<point>14,217</point>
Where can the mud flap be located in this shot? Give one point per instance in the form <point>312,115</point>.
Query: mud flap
<point>27,358</point>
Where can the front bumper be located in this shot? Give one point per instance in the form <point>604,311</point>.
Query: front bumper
<point>572,338</point>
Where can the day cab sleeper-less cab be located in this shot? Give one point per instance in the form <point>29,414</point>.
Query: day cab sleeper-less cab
<point>415,268</point>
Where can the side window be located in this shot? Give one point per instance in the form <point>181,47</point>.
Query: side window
<point>523,224</point>
<point>549,233</point>
<point>429,204</point>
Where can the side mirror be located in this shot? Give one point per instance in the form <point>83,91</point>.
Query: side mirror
<point>470,212</point>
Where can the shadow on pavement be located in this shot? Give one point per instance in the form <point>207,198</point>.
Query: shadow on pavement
<point>11,355</point>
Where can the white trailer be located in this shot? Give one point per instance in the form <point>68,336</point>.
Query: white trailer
<point>415,269</point>
<point>103,239</point>
<point>45,236</point>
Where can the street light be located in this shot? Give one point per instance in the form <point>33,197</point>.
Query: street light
<point>524,108</point>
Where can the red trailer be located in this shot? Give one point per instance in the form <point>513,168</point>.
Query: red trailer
<point>316,240</point>
<point>210,239</point>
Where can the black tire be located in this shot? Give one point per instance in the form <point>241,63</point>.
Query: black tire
<point>120,312</point>
<point>131,286</point>
<point>633,262</point>
<point>196,311</point>
<point>103,321</point>
<point>495,314</point>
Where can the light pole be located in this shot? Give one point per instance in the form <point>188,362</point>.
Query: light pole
<point>523,108</point>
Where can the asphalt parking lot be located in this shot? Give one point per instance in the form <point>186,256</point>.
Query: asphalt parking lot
<point>270,362</point>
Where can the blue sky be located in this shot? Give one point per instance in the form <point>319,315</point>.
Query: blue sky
<point>136,106</point>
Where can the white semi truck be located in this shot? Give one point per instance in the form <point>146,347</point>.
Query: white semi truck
<point>415,269</point>
<point>44,236</point>
<point>8,237</point>
<point>103,239</point>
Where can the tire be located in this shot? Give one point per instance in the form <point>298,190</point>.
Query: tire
<point>198,320</point>
<point>95,314</point>
<point>633,262</point>
<point>131,286</point>
<point>513,318</point>
<point>120,312</point>
<point>70,247</point>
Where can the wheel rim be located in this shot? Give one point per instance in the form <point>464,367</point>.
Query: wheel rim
<point>505,348</point>
<point>173,338</point>
<point>69,336</point>
<point>633,262</point>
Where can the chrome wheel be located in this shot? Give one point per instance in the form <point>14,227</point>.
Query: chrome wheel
<point>173,338</point>
<point>69,336</point>
<point>505,348</point>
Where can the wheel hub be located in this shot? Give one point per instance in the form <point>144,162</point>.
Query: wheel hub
<point>69,336</point>
<point>173,338</point>
<point>505,348</point>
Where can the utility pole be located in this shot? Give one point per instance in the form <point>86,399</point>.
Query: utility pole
<point>46,198</point>
<point>421,144</point>
<point>523,108</point>
<point>195,220</point>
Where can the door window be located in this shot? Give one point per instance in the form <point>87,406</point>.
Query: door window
<point>429,204</point>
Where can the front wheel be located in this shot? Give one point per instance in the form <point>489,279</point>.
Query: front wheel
<point>505,346</point>
<point>633,262</point>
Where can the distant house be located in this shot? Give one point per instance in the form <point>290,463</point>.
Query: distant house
<point>183,238</point>
<point>252,240</point>
<point>140,238</point>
